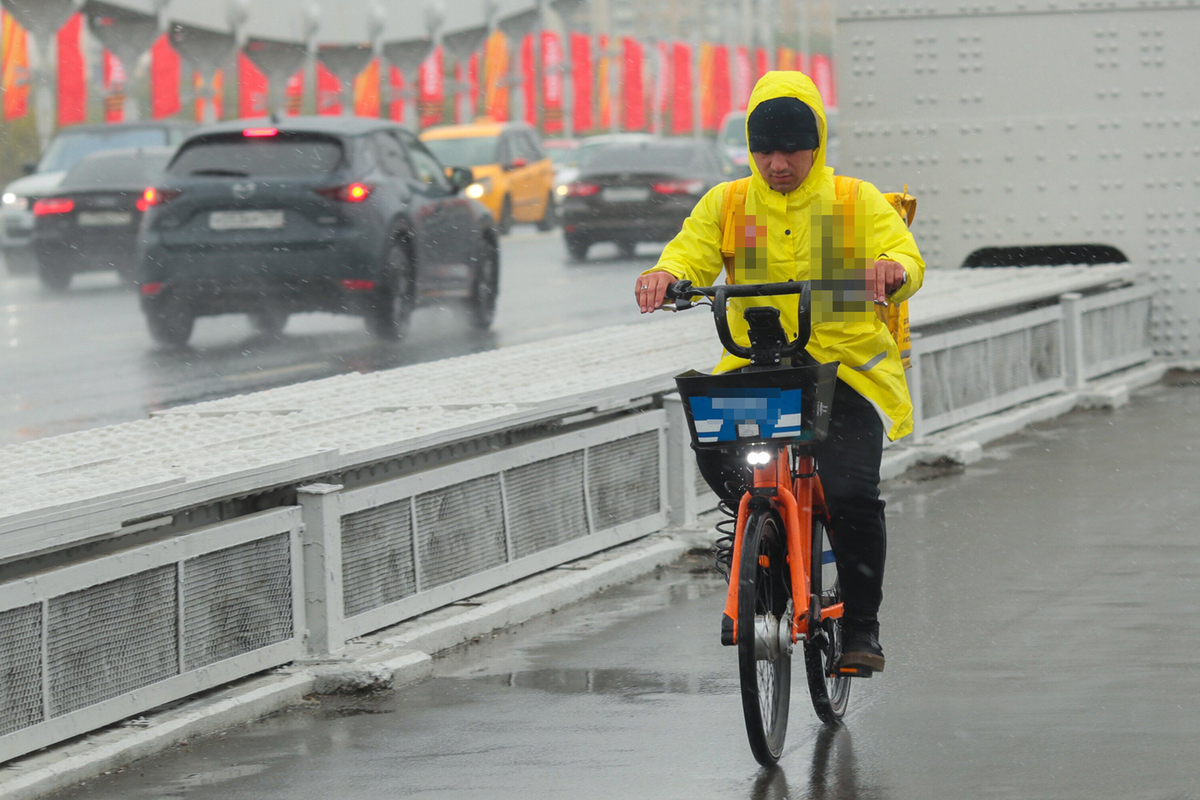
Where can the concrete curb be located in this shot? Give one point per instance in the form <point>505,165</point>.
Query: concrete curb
<point>391,658</point>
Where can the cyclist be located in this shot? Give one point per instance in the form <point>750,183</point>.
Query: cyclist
<point>791,221</point>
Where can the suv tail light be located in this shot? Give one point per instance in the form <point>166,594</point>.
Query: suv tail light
<point>579,189</point>
<point>53,205</point>
<point>350,193</point>
<point>679,187</point>
<point>260,132</point>
<point>156,197</point>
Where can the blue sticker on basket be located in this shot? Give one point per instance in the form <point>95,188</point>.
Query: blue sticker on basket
<point>774,413</point>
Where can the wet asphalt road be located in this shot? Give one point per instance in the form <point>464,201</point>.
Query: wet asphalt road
<point>83,359</point>
<point>1040,626</point>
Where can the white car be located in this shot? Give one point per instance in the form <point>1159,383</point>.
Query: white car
<point>68,147</point>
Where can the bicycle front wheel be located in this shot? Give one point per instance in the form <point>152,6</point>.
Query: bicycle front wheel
<point>764,635</point>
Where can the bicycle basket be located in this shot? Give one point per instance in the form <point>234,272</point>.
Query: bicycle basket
<point>789,404</point>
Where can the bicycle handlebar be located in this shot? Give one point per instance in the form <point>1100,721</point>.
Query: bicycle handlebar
<point>682,292</point>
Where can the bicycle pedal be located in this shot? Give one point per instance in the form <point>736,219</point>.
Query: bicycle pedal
<point>855,671</point>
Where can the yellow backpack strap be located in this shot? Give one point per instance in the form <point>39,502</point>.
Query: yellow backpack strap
<point>845,187</point>
<point>735,200</point>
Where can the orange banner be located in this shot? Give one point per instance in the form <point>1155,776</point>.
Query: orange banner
<point>218,94</point>
<point>495,76</point>
<point>366,91</point>
<point>603,93</point>
<point>708,103</point>
<point>15,80</point>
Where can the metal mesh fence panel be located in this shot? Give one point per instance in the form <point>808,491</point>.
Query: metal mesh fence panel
<point>112,638</point>
<point>1115,331</point>
<point>623,480</point>
<point>954,378</point>
<point>377,557</point>
<point>237,600</point>
<point>1010,362</point>
<point>460,530</point>
<point>546,503</point>
<point>20,668</point>
<point>1045,351</point>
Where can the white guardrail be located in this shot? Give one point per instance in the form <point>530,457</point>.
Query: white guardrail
<point>146,562</point>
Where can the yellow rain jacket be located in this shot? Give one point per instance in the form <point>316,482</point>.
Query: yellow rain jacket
<point>870,360</point>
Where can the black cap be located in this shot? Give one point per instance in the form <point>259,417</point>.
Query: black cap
<point>782,123</point>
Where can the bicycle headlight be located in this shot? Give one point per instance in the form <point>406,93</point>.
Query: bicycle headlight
<point>758,458</point>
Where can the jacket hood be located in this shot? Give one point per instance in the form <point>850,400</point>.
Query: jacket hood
<point>800,86</point>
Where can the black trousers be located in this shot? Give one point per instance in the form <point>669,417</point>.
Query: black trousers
<point>848,464</point>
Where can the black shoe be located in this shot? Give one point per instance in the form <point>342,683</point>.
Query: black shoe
<point>860,648</point>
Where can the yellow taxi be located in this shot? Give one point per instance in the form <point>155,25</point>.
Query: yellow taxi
<point>514,177</point>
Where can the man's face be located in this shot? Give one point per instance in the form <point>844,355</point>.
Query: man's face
<point>783,170</point>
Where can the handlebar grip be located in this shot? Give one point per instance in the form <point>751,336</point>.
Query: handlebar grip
<point>678,290</point>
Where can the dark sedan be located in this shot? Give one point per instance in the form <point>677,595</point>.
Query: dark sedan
<point>91,222</point>
<point>630,192</point>
<point>349,215</point>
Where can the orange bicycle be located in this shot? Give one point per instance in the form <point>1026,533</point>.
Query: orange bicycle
<point>783,586</point>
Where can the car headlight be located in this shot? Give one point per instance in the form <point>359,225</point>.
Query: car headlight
<point>561,190</point>
<point>13,200</point>
<point>479,188</point>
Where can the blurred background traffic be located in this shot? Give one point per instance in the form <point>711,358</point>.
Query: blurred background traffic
<point>366,158</point>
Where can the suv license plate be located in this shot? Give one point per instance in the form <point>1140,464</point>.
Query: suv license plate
<point>245,220</point>
<point>97,219</point>
<point>626,195</point>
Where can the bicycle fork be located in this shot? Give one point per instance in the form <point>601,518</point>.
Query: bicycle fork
<point>794,498</point>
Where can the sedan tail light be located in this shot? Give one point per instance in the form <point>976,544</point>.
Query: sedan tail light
<point>156,197</point>
<point>579,189</point>
<point>350,193</point>
<point>53,205</point>
<point>679,187</point>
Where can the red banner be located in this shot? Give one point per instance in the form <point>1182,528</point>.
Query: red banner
<point>633,85</point>
<point>722,102</point>
<point>822,75</point>
<point>495,77</point>
<point>681,88</point>
<point>329,92</point>
<point>165,72</point>
<point>395,94</point>
<point>458,93</point>
<point>529,81</point>
<point>114,87</point>
<point>581,77</point>
<point>252,89</point>
<point>293,94</point>
<point>743,81</point>
<point>366,90</point>
<point>432,88</point>
<point>72,77</point>
<point>473,85</point>
<point>762,63</point>
<point>552,83</point>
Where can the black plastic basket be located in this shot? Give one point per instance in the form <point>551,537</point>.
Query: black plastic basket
<point>785,405</point>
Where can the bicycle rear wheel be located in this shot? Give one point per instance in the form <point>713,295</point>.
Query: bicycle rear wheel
<point>830,694</point>
<point>764,635</point>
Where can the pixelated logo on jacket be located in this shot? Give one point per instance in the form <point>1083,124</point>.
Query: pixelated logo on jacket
<point>842,256</point>
<point>750,238</point>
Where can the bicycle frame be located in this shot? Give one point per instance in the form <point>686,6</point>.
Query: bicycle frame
<point>796,498</point>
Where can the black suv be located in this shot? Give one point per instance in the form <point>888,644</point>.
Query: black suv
<point>341,214</point>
